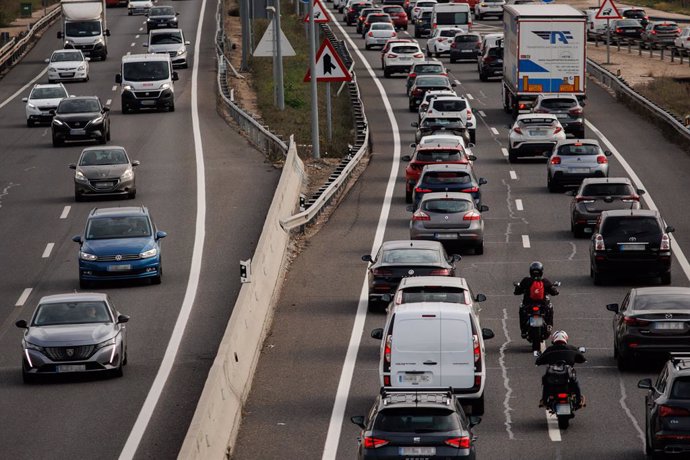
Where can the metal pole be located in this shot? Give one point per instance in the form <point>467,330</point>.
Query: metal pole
<point>244,19</point>
<point>314,88</point>
<point>279,70</point>
<point>608,41</point>
<point>275,53</point>
<point>328,111</point>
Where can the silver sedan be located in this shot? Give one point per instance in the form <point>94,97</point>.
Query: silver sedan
<point>573,160</point>
<point>450,218</point>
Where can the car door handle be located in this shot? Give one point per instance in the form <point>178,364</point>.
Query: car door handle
<point>430,363</point>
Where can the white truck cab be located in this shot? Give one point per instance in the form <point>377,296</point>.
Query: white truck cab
<point>147,82</point>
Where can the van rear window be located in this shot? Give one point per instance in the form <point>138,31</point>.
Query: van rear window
<point>443,294</point>
<point>451,18</point>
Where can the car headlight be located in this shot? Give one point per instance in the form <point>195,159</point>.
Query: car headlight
<point>31,346</point>
<point>86,256</point>
<point>52,69</point>
<point>57,122</point>
<point>127,88</point>
<point>165,86</point>
<point>174,19</point>
<point>148,254</point>
<point>107,343</point>
<point>79,176</point>
<point>127,175</point>
<point>30,105</point>
<point>81,67</point>
<point>96,121</point>
<point>181,52</point>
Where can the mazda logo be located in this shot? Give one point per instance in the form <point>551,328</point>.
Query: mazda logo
<point>669,315</point>
<point>410,272</point>
<point>118,257</point>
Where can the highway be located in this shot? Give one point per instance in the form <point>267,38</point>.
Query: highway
<point>107,418</point>
<point>319,365</point>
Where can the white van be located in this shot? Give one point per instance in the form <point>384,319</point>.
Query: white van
<point>455,15</point>
<point>434,344</point>
<point>596,28</point>
<point>147,82</point>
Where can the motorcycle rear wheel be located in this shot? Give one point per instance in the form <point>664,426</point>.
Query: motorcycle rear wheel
<point>563,422</point>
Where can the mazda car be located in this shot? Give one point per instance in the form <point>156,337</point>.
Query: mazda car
<point>104,171</point>
<point>80,118</point>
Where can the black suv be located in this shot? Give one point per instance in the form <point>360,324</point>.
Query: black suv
<point>414,423</point>
<point>80,118</point>
<point>667,409</point>
<point>568,110</point>
<point>491,63</point>
<point>422,25</point>
<point>633,242</point>
<point>162,17</point>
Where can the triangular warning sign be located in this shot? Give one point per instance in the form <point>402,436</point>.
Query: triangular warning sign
<point>320,14</point>
<point>265,46</point>
<point>608,11</point>
<point>329,67</point>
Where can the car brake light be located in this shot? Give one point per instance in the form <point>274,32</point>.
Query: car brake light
<point>665,243</point>
<point>489,59</point>
<point>555,160</point>
<point>522,106</point>
<point>395,34</point>
<point>584,199</point>
<point>517,130</point>
<point>630,199</point>
<point>374,443</point>
<point>387,350</point>
<point>352,10</point>
<point>653,32</point>
<point>632,321</point>
<point>669,411</point>
<point>371,34</point>
<point>387,380</point>
<point>602,160</point>
<point>391,55</point>
<point>619,30</point>
<point>440,272</point>
<point>475,346</point>
<point>472,215</point>
<point>381,272</point>
<point>469,114</point>
<point>599,243</point>
<point>557,130</point>
<point>460,443</point>
<point>420,215</point>
<point>418,55</point>
<point>433,26</point>
<point>470,190</point>
<point>422,190</point>
<point>575,111</point>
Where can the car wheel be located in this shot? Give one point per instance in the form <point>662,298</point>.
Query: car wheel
<point>84,284</point>
<point>597,278</point>
<point>108,134</point>
<point>483,77</point>
<point>131,195</point>
<point>623,361</point>
<point>428,53</point>
<point>552,185</point>
<point>473,136</point>
<point>665,278</point>
<point>367,47</point>
<point>386,73</point>
<point>477,406</point>
<point>580,134</point>
<point>437,54</point>
<point>57,142</point>
<point>51,81</point>
<point>453,60</point>
<point>119,371</point>
<point>512,156</point>
<point>78,196</point>
<point>103,139</point>
<point>479,249</point>
<point>29,123</point>
<point>27,377</point>
<point>578,231</point>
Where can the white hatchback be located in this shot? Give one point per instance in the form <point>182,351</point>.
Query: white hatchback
<point>683,40</point>
<point>455,106</point>
<point>379,33</point>
<point>534,134</point>
<point>401,57</point>
<point>135,7</point>
<point>421,6</point>
<point>440,41</point>
<point>486,8</point>
<point>67,65</point>
<point>42,100</point>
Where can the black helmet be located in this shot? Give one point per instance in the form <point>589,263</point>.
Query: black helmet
<point>536,270</point>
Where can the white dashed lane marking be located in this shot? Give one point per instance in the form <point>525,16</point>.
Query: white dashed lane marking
<point>494,130</point>
<point>457,82</point>
<point>114,87</point>
<point>65,212</point>
<point>469,96</point>
<point>504,151</point>
<point>513,175</point>
<point>481,112</point>
<point>525,241</point>
<point>133,43</point>
<point>48,250</point>
<point>108,102</point>
<point>518,205</point>
<point>22,298</point>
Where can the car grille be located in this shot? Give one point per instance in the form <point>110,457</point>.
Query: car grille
<point>83,47</point>
<point>47,109</point>
<point>104,184</point>
<point>76,124</point>
<point>114,258</point>
<point>147,94</point>
<point>70,353</point>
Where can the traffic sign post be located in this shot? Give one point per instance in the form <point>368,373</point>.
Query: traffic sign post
<point>329,66</point>
<point>608,11</point>
<point>314,89</point>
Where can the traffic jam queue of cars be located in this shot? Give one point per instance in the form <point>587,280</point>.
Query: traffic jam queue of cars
<point>82,332</point>
<point>431,314</point>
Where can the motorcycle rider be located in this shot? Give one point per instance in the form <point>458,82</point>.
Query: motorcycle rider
<point>560,351</point>
<point>535,293</point>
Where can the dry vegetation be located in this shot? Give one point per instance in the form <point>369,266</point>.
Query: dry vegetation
<point>10,9</point>
<point>674,6</point>
<point>670,93</point>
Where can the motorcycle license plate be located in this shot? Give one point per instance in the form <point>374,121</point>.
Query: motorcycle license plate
<point>563,409</point>
<point>536,321</point>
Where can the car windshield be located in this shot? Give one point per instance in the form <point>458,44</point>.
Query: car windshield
<point>661,301</point>
<point>103,157</point>
<point>425,4</point>
<point>607,190</point>
<point>447,178</point>
<point>53,314</point>
<point>465,38</point>
<point>448,32</point>
<point>162,11</point>
<point>449,105</point>
<point>625,227</point>
<point>452,18</point>
<point>100,228</point>
<point>447,206</point>
<point>427,69</point>
<point>146,71</point>
<point>578,150</point>
<point>82,28</point>
<point>78,106</point>
<point>418,420</point>
<point>170,38</point>
<point>48,93</point>
<point>434,122</point>
<point>681,388</point>
<point>67,56</point>
<point>405,49</point>
<point>443,294</point>
<point>558,103</point>
<point>439,155</point>
<point>411,256</point>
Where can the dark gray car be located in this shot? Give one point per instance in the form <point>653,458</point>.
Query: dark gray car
<point>162,17</point>
<point>103,171</point>
<point>465,46</point>
<point>74,333</point>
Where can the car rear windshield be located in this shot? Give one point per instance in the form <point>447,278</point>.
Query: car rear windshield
<point>628,23</point>
<point>447,177</point>
<point>447,206</point>
<point>666,27</point>
<point>452,18</point>
<point>382,26</point>
<point>657,301</point>
<point>162,11</point>
<point>52,314</point>
<point>411,256</point>
<point>417,420</point>
<point>439,155</point>
<point>117,227</point>
<point>607,190</point>
<point>78,106</point>
<point>558,103</point>
<point>429,122</point>
<point>578,150</point>
<point>443,294</point>
<point>537,122</point>
<point>465,38</point>
<point>453,105</point>
<point>635,14</point>
<point>425,4</point>
<point>372,18</point>
<point>626,227</point>
<point>48,93</point>
<point>405,49</point>
<point>492,1</point>
<point>393,9</point>
<point>681,388</point>
<point>448,32</point>
<point>103,157</point>
<point>427,69</point>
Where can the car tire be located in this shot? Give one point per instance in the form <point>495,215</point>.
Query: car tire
<point>552,186</point>
<point>171,107</point>
<point>479,249</point>
<point>580,134</point>
<point>386,73</point>
<point>512,156</point>
<point>665,278</point>
<point>428,53</point>
<point>78,197</point>
<point>28,378</point>
<point>473,136</point>
<point>107,134</point>
<point>103,139</point>
<point>57,142</point>
<point>119,371</point>
<point>51,81</point>
<point>483,77</point>
<point>84,284</point>
<point>131,195</point>
<point>408,196</point>
<point>417,34</point>
<point>29,123</point>
<point>372,306</point>
<point>578,231</point>
<point>477,406</point>
<point>86,79</point>
<point>453,60</point>
<point>623,362</point>
<point>412,107</point>
<point>597,278</point>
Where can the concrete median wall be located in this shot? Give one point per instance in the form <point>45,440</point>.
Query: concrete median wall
<point>217,418</point>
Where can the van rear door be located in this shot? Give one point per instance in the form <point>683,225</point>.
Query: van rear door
<point>415,352</point>
<point>457,352</point>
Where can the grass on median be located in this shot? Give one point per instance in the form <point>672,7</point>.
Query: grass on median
<point>296,118</point>
<point>669,93</point>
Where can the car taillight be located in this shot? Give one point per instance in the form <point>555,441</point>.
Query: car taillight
<point>517,130</point>
<point>395,34</point>
<point>371,34</point>
<point>619,30</point>
<point>599,243</point>
<point>381,272</point>
<point>670,411</point>
<point>557,130</point>
<point>653,32</point>
<point>420,215</point>
<point>412,75</point>
<point>417,92</point>
<point>665,243</point>
<point>584,199</point>
<point>522,106</point>
<point>374,443</point>
<point>460,443</point>
<point>575,111</point>
<point>470,190</point>
<point>422,190</point>
<point>488,59</point>
<point>352,10</point>
<point>433,26</point>
<point>632,321</point>
<point>630,199</point>
<point>469,114</point>
<point>555,160</point>
<point>418,55</point>
<point>469,26</point>
<point>475,346</point>
<point>472,215</point>
<point>391,55</point>
<point>602,160</point>
<point>387,350</point>
<point>440,272</point>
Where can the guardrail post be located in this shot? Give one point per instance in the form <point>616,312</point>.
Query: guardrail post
<point>662,52</point>
<point>629,47</point>
<point>673,54</point>
<point>618,43</point>
<point>639,47</point>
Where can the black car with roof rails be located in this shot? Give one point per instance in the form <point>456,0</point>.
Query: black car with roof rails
<point>491,63</point>
<point>352,13</point>
<point>649,321</point>
<point>667,409</point>
<point>415,423</point>
<point>599,194</point>
<point>363,13</point>
<point>631,243</point>
<point>422,25</point>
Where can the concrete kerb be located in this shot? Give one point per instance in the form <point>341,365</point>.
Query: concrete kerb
<point>214,427</point>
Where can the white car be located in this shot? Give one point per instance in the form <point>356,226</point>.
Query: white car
<point>428,96</point>
<point>489,8</point>
<point>420,6</point>
<point>488,40</point>
<point>454,106</point>
<point>67,65</point>
<point>534,134</point>
<point>401,58</point>
<point>683,40</point>
<point>338,5</point>
<point>139,7</point>
<point>379,33</point>
<point>440,40</point>
<point>41,101</point>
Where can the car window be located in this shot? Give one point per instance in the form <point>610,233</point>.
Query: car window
<point>446,177</point>
<point>67,57</point>
<point>464,38</point>
<point>432,121</point>
<point>405,49</point>
<point>558,103</point>
<point>419,420</point>
<point>103,157</point>
<point>162,11</point>
<point>382,26</point>
<point>448,32</point>
<point>433,81</point>
<point>78,106</point>
<point>447,206</point>
<point>51,314</point>
<point>452,18</point>
<point>666,27</point>
<point>445,294</point>
<point>662,302</point>
<point>427,69</point>
<point>579,150</point>
<point>661,380</point>
<point>48,93</point>
<point>636,14</point>
<point>438,155</point>
<point>99,228</point>
<point>681,388</point>
<point>171,38</point>
<point>411,256</point>
<point>625,227</point>
<point>628,23</point>
<point>452,105</point>
<point>607,190</point>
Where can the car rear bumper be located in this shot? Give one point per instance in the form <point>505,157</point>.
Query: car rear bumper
<point>448,236</point>
<point>399,68</point>
<point>567,178</point>
<point>463,53</point>
<point>632,267</point>
<point>393,453</point>
<point>656,343</point>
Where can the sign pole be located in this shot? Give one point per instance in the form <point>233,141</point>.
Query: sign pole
<point>279,71</point>
<point>328,111</point>
<point>608,41</point>
<point>314,88</point>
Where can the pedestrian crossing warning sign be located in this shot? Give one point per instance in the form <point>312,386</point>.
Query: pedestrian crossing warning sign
<point>329,66</point>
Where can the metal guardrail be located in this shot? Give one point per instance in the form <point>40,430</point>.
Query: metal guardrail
<point>15,49</point>
<point>639,45</point>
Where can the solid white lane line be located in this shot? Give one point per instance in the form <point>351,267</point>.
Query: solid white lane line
<point>552,423</point>
<point>22,298</point>
<point>628,413</point>
<point>481,112</point>
<point>647,197</point>
<point>154,394</point>
<point>114,87</point>
<point>494,130</point>
<point>108,102</point>
<point>330,448</point>
<point>525,241</point>
<point>132,44</point>
<point>65,212</point>
<point>469,96</point>
<point>506,380</point>
<point>513,175</point>
<point>23,88</point>
<point>518,205</point>
<point>504,151</point>
<point>48,250</point>
<point>457,82</point>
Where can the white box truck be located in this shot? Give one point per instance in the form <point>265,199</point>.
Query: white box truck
<point>544,53</point>
<point>84,27</point>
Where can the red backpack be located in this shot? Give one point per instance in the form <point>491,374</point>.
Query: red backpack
<point>536,290</point>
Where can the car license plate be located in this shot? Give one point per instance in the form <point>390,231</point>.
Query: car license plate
<point>104,184</point>
<point>119,268</point>
<point>632,247</point>
<point>466,51</point>
<point>77,132</point>
<point>71,367</point>
<point>67,75</point>
<point>579,170</point>
<point>447,236</point>
<point>414,378</point>
<point>670,325</point>
<point>536,321</point>
<point>148,102</point>
<point>417,451</point>
<point>561,115</point>
<point>536,132</point>
<point>588,229</point>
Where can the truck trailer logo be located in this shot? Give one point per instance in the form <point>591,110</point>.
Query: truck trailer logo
<point>555,36</point>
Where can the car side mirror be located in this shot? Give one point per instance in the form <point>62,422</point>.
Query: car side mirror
<point>136,163</point>
<point>122,319</point>
<point>640,191</point>
<point>107,32</point>
<point>406,158</point>
<point>160,235</point>
<point>487,333</point>
<point>77,239</point>
<point>118,78</point>
<point>72,166</point>
<point>453,85</point>
<point>187,43</point>
<point>47,60</point>
<point>482,181</point>
<point>472,157</point>
<point>414,124</point>
<point>377,334</point>
<point>456,257</point>
<point>88,59</point>
<point>670,229</point>
<point>25,99</point>
<point>483,208</point>
<point>413,145</point>
<point>21,324</point>
<point>359,421</point>
<point>106,108</point>
<point>367,258</point>
<point>645,384</point>
<point>612,307</point>
<point>479,298</point>
<point>607,153</point>
<point>59,35</point>
<point>177,13</point>
<point>474,420</point>
<point>175,77</point>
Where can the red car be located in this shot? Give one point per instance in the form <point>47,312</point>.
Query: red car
<point>426,155</point>
<point>397,14</point>
<point>469,2</point>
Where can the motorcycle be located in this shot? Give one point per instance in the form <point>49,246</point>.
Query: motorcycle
<point>538,328</point>
<point>561,401</point>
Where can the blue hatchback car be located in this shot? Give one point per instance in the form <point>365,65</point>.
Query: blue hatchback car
<point>448,177</point>
<point>119,244</point>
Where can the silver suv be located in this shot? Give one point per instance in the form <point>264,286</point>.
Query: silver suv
<point>169,41</point>
<point>573,160</point>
